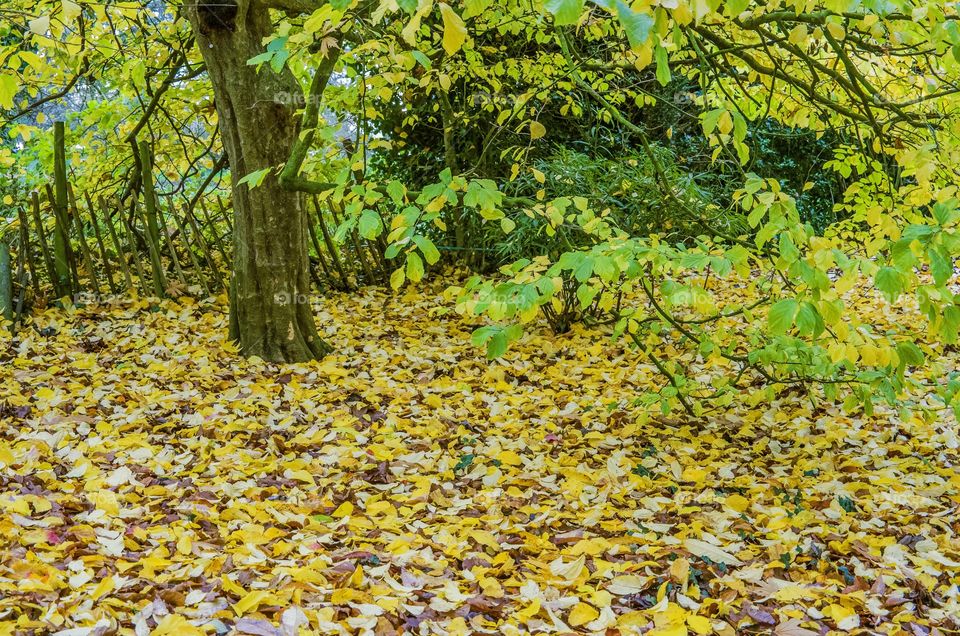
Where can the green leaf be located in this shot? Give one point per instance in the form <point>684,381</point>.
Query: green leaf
<point>889,281</point>
<point>941,265</point>
<point>8,89</point>
<point>414,268</point>
<point>430,252</point>
<point>255,178</point>
<point>663,66</point>
<point>788,251</point>
<point>605,268</point>
<point>950,328</point>
<point>397,278</point>
<point>497,345</point>
<point>584,269</point>
<point>395,189</point>
<point>901,254</point>
<point>480,336</point>
<point>637,25</point>
<point>809,321</point>
<point>781,316</point>
<point>910,354</point>
<point>586,294</point>
<point>733,8</point>
<point>279,60</point>
<point>410,6</point>
<point>464,463</point>
<point>369,224</point>
<point>565,11</point>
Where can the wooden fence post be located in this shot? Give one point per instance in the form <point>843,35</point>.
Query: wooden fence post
<point>61,235</point>
<point>150,212</point>
<point>6,282</point>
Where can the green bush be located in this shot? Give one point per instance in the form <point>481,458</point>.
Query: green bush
<point>625,191</point>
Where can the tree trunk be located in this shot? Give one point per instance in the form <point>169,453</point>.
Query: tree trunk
<point>270,313</point>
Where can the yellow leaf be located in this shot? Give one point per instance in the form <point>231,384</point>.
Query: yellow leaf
<point>845,617</point>
<point>699,624</point>
<point>569,571</point>
<point>454,30</point>
<point>737,502</point>
<point>628,584</point>
<point>582,614</point>
<point>343,596</point>
<point>6,455</point>
<point>397,278</point>
<point>635,619</point>
<point>229,585</point>
<point>343,510</point>
<point>70,10</point>
<point>696,475</point>
<point>250,602</point>
<point>537,130</point>
<point>680,570</point>
<point>702,548</point>
<point>106,500</point>
<point>669,620</point>
<point>836,30</point>
<point>798,35</point>
<point>104,587</point>
<point>529,611</point>
<point>509,458</point>
<point>39,25</point>
<point>176,625</point>
<point>356,579</point>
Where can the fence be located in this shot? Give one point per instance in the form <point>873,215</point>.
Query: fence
<point>65,243</point>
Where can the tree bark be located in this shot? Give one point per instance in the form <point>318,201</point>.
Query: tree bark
<point>270,312</point>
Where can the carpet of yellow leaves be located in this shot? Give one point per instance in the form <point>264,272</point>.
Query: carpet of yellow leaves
<point>151,482</point>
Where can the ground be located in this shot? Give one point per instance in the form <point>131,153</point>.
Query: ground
<point>153,482</point>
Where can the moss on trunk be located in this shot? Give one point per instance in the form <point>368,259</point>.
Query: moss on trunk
<point>270,312</point>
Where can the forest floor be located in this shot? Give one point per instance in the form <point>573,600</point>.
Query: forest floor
<point>152,482</point>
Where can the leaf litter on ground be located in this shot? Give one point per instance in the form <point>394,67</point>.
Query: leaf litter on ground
<point>154,482</point>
